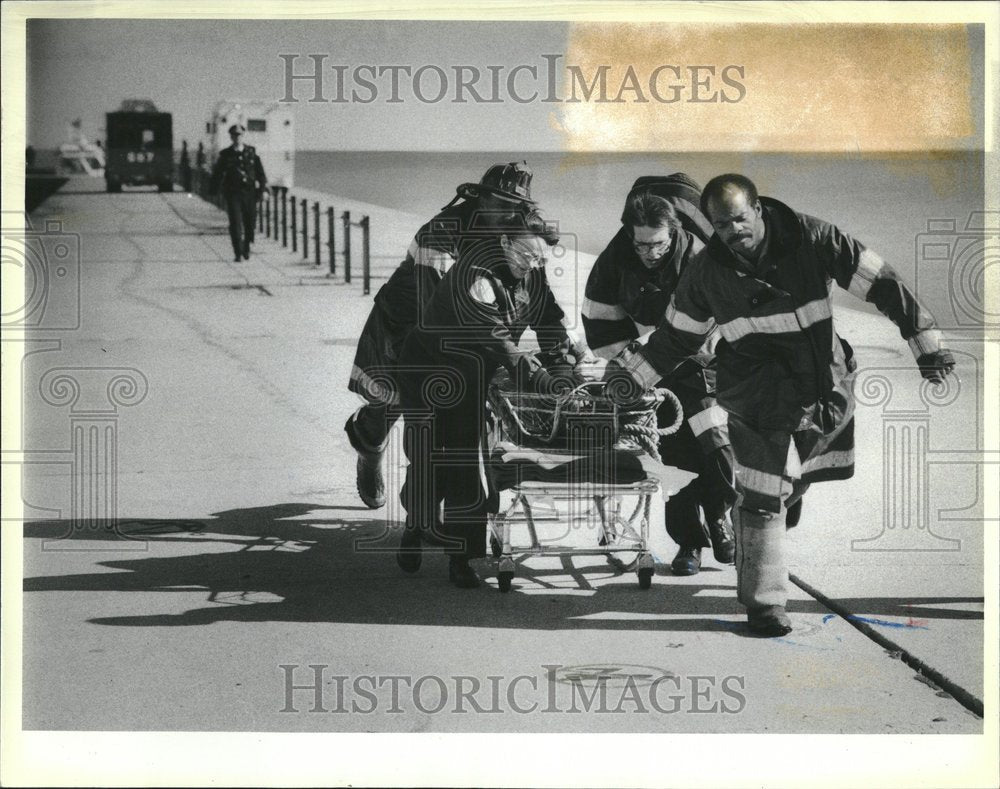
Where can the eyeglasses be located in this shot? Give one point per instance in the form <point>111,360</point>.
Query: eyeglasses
<point>531,258</point>
<point>650,247</point>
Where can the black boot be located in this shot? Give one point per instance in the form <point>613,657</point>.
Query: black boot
<point>720,531</point>
<point>793,514</point>
<point>770,621</point>
<point>461,574</point>
<point>687,561</point>
<point>409,554</point>
<point>370,483</point>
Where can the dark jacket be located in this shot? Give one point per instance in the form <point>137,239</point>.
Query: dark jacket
<point>624,298</point>
<point>781,366</point>
<point>238,171</point>
<point>400,302</point>
<point>622,292</point>
<point>476,317</point>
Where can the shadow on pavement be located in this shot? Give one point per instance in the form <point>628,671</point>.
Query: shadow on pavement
<point>283,566</point>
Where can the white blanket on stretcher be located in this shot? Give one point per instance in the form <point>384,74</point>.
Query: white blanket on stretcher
<point>671,478</point>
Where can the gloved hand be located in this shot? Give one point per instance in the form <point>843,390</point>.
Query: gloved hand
<point>592,371</point>
<point>543,382</point>
<point>588,366</point>
<point>565,371</point>
<point>620,386</point>
<point>937,365</point>
<point>582,354</point>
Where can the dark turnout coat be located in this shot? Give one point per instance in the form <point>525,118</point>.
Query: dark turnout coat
<point>469,328</point>
<point>782,370</point>
<point>621,292</point>
<point>474,320</point>
<point>624,299</point>
<point>400,302</point>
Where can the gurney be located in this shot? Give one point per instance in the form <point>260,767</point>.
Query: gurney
<point>579,457</point>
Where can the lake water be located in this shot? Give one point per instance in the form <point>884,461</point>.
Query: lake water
<point>883,200</point>
<point>886,201</point>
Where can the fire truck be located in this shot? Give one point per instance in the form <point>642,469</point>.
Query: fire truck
<point>140,147</point>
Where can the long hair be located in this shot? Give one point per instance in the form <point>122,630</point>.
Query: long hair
<point>648,210</point>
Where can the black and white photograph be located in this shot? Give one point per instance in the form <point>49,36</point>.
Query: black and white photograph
<point>379,380</point>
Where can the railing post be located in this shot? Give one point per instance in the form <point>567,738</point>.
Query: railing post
<point>274,211</point>
<point>284,216</point>
<point>260,216</point>
<point>347,246</point>
<point>366,260</point>
<point>295,232</point>
<point>316,232</point>
<point>305,228</point>
<point>330,237</point>
<point>267,213</point>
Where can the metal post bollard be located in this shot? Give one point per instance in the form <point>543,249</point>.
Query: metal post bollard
<point>316,232</point>
<point>305,228</point>
<point>347,246</point>
<point>273,219</point>
<point>284,216</point>
<point>366,256</point>
<point>330,237</point>
<point>294,232</point>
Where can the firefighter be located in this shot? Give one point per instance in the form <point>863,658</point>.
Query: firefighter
<point>631,284</point>
<point>469,328</point>
<point>784,376</point>
<point>503,192</point>
<point>240,175</point>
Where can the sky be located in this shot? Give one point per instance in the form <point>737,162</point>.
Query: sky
<point>839,88</point>
<point>84,68</point>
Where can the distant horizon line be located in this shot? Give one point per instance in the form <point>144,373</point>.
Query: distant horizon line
<point>856,154</point>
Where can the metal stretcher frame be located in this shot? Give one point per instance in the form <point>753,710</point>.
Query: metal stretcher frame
<point>617,535</point>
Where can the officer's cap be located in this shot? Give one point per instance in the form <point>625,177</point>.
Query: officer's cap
<point>236,127</point>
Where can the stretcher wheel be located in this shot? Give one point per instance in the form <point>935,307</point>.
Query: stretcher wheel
<point>645,577</point>
<point>504,577</point>
<point>495,547</point>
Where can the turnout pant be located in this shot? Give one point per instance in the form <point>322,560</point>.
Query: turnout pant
<point>372,424</point>
<point>241,208</point>
<point>444,446</point>
<point>761,562</point>
<point>712,492</point>
<point>703,447</point>
<point>769,476</point>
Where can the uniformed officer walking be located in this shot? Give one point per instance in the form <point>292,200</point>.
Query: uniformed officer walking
<point>240,175</point>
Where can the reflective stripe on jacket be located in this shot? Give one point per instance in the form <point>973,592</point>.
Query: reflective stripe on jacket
<point>476,317</point>
<point>780,358</point>
<point>400,302</point>
<point>784,376</point>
